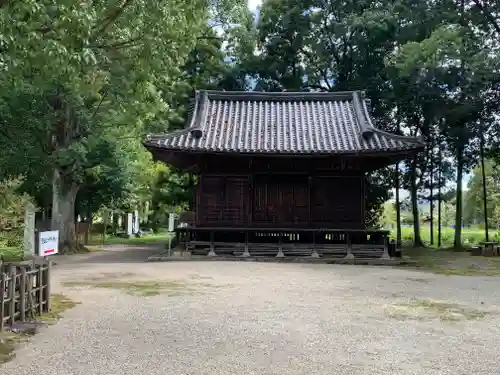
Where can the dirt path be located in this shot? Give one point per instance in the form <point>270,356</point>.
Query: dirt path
<point>259,318</point>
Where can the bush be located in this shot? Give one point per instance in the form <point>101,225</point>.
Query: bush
<point>12,209</point>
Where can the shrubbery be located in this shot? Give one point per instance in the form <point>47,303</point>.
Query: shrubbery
<point>12,209</point>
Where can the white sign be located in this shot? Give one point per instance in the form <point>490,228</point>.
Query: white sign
<point>136,221</point>
<point>48,243</point>
<point>130,222</point>
<point>171,222</point>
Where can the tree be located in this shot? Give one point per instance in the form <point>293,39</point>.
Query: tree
<point>460,70</point>
<point>96,68</point>
<point>473,207</point>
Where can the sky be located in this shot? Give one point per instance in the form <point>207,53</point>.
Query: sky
<point>253,4</point>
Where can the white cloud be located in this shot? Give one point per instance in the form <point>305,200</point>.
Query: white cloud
<point>253,4</point>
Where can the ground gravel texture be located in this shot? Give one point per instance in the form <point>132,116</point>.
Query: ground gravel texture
<point>260,318</point>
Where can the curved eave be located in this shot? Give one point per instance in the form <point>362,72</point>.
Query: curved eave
<point>368,153</point>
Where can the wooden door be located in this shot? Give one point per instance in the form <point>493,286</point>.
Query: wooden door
<point>281,201</point>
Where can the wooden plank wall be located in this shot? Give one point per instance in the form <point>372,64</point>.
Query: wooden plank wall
<point>280,201</point>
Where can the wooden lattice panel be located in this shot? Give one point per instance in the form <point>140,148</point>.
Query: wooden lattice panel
<point>223,201</point>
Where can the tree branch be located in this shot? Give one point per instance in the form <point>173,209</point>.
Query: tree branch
<point>100,103</point>
<point>123,44</point>
<point>110,19</point>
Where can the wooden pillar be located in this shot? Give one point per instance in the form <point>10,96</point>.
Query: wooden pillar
<point>211,253</point>
<point>250,199</point>
<point>349,254</point>
<point>22,295</point>
<point>246,253</point>
<point>197,200</point>
<point>12,294</point>
<point>385,254</point>
<point>309,188</point>
<point>314,251</point>
<point>280,246</point>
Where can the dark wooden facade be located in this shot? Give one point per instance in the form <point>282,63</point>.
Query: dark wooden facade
<point>329,200</point>
<point>281,172</point>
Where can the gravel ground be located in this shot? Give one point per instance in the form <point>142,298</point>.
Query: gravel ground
<point>260,318</point>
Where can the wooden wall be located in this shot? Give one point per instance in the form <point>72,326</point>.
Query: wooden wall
<point>281,200</point>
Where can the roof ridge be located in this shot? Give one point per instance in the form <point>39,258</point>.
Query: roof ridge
<point>281,95</point>
<point>361,112</point>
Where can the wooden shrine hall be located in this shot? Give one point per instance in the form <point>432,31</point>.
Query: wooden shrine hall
<point>281,173</point>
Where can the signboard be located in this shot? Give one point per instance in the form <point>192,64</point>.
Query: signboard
<point>136,222</point>
<point>130,222</point>
<point>171,222</point>
<point>48,243</point>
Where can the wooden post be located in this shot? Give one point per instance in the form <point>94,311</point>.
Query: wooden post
<point>386,255</point>
<point>246,253</point>
<point>22,296</point>
<point>48,305</point>
<point>40,288</point>
<point>280,246</point>
<point>3,283</point>
<point>250,197</point>
<point>314,251</point>
<point>349,254</point>
<point>211,253</point>
<point>12,294</point>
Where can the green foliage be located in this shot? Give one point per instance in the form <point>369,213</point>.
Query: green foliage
<point>474,198</point>
<point>82,82</point>
<point>95,74</point>
<point>12,209</point>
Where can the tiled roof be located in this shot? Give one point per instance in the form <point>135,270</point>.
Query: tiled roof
<point>284,123</point>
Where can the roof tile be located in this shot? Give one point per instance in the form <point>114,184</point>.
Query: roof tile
<point>303,123</point>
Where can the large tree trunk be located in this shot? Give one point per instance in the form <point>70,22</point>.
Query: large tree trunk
<point>417,239</point>
<point>431,195</point>
<point>398,210</point>
<point>440,172</point>
<point>63,210</point>
<point>483,177</point>
<point>457,243</point>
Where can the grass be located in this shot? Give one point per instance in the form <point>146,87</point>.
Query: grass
<point>449,262</point>
<point>142,288</point>
<point>11,254</point>
<point>9,341</point>
<point>470,236</point>
<point>430,309</point>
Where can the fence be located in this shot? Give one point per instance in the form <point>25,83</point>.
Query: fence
<point>24,292</point>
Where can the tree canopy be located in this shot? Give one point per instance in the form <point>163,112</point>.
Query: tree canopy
<point>83,82</point>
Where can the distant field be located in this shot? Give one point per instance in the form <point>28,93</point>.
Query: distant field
<point>469,235</point>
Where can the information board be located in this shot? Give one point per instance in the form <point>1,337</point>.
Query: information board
<point>48,243</point>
